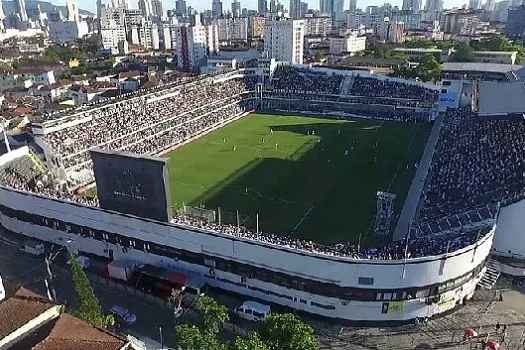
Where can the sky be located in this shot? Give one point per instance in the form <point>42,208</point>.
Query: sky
<point>201,5</point>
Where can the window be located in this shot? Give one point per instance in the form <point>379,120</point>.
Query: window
<point>322,306</point>
<point>303,301</point>
<point>367,281</point>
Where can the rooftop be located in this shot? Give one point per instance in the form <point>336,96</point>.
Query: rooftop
<point>72,333</point>
<point>501,98</point>
<point>480,67</point>
<point>20,309</point>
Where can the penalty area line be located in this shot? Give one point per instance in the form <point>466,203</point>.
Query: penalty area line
<point>302,219</point>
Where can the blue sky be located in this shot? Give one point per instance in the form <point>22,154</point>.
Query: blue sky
<point>201,5</point>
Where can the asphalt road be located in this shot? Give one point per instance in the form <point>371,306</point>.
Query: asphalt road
<point>21,269</point>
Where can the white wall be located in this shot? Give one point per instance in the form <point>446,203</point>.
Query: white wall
<point>341,271</point>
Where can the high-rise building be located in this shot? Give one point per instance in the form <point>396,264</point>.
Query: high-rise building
<point>146,8</point>
<point>414,5</point>
<point>157,8</point>
<point>67,31</point>
<point>262,7</point>
<point>236,8</point>
<point>216,8</point>
<point>20,9</point>
<point>194,44</point>
<point>390,31</point>
<point>232,29</point>
<point>124,4</point>
<point>256,27</point>
<point>489,5</point>
<point>298,8</point>
<point>72,11</point>
<point>284,39</point>
<point>180,7</point>
<point>326,7</point>
<point>353,5</point>
<point>332,8</point>
<point>320,25</point>
<point>434,5</point>
<point>474,4</point>
<point>146,35</point>
<point>515,27</point>
<point>461,22</point>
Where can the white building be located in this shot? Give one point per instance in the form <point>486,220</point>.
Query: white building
<point>66,31</point>
<point>347,44</point>
<point>318,25</point>
<point>232,29</point>
<point>112,36</point>
<point>146,35</point>
<point>72,11</point>
<point>284,39</point>
<point>194,44</point>
<point>146,7</point>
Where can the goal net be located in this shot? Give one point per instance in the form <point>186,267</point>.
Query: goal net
<point>204,214</point>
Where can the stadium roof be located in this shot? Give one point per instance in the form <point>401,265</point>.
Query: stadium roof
<point>480,67</point>
<point>501,98</point>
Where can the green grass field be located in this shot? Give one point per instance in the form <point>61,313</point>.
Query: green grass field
<point>301,185</point>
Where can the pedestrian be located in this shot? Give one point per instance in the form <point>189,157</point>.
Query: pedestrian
<point>271,131</point>
<point>498,326</point>
<point>276,145</point>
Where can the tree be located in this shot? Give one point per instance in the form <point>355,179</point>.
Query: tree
<point>193,338</point>
<point>286,332</point>
<point>213,314</point>
<point>88,308</point>
<point>429,68</point>
<point>463,53</point>
<point>318,56</point>
<point>252,342</point>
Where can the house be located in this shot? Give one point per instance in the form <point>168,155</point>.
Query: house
<point>119,78</point>
<point>81,94</point>
<point>80,79</point>
<point>17,93</point>
<point>30,321</point>
<point>52,91</point>
<point>37,75</point>
<point>131,84</point>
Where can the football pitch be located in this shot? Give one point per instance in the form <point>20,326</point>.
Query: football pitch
<point>310,178</point>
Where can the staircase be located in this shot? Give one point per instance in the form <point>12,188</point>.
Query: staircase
<point>346,85</point>
<point>491,275</point>
<point>36,162</point>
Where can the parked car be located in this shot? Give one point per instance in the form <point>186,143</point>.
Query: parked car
<point>123,314</point>
<point>253,311</point>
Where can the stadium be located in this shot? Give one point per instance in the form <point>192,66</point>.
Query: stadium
<point>336,193</point>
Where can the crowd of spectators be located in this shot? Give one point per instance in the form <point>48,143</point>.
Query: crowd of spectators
<point>119,126</point>
<point>292,79</point>
<point>476,162</point>
<point>373,87</point>
<point>409,248</point>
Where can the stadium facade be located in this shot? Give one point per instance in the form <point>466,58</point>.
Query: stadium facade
<point>346,288</point>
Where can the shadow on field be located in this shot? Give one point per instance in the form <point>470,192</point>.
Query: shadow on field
<point>327,187</point>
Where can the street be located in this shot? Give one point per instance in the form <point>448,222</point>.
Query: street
<point>22,269</point>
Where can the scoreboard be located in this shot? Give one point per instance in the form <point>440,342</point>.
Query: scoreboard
<point>132,184</point>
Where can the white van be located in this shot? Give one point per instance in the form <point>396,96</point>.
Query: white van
<point>253,311</point>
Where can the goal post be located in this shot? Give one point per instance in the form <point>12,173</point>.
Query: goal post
<point>201,213</point>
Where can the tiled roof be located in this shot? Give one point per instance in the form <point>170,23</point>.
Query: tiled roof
<point>20,309</point>
<point>30,70</point>
<point>72,333</point>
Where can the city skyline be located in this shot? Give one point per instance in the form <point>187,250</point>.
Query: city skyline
<point>203,5</point>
